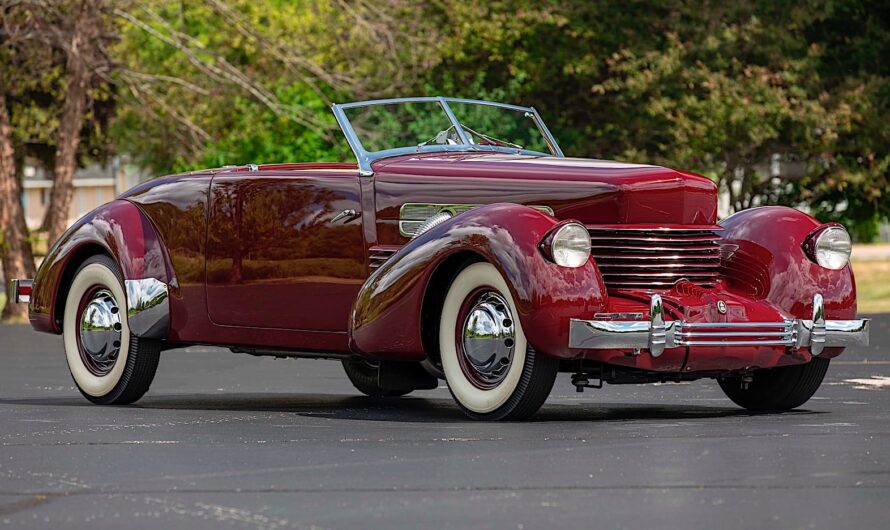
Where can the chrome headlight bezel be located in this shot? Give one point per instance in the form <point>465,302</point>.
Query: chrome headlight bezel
<point>567,245</point>
<point>830,247</point>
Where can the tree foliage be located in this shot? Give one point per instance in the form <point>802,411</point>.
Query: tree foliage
<point>213,82</point>
<point>733,90</point>
<point>721,88</point>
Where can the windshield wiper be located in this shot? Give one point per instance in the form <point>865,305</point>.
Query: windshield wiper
<point>491,139</point>
<point>441,138</point>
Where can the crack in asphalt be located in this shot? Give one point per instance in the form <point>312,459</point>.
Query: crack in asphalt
<point>45,496</point>
<point>31,500</point>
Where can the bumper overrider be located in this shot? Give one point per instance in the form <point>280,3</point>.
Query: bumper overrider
<point>658,334</point>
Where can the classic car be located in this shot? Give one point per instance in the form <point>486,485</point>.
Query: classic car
<point>463,245</point>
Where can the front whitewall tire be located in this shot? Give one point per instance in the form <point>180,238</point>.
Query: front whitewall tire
<point>529,377</point>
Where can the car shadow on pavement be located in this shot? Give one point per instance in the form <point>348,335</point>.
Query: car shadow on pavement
<point>407,409</point>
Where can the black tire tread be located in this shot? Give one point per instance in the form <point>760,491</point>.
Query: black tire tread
<point>778,389</point>
<point>535,384</point>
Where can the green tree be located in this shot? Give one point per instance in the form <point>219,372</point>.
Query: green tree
<point>244,81</point>
<point>721,88</point>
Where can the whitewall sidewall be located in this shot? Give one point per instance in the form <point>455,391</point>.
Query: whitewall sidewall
<point>92,275</point>
<point>473,398</point>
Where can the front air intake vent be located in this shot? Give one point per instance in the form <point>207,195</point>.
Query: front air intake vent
<point>655,258</point>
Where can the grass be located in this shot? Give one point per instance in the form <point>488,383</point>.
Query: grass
<point>872,286</point>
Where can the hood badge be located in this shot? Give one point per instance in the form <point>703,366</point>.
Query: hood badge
<point>721,307</point>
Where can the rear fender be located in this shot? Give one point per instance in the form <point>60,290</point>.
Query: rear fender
<point>387,316</point>
<point>121,230</point>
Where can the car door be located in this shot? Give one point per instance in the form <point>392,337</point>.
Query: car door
<point>285,250</point>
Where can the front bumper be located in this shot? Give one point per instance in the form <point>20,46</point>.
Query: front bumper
<point>658,334</point>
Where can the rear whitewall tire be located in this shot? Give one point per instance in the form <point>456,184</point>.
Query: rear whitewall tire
<point>137,359</point>
<point>530,376</point>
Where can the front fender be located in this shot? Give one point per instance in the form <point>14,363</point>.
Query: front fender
<point>124,232</point>
<point>763,257</point>
<point>387,315</point>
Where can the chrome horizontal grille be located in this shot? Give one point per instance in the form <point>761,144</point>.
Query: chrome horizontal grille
<point>655,258</point>
<point>735,333</point>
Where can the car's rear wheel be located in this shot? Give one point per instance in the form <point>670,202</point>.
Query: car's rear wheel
<point>109,366</point>
<point>491,371</point>
<point>777,389</point>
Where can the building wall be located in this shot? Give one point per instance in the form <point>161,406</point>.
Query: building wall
<point>88,194</point>
<point>94,186</point>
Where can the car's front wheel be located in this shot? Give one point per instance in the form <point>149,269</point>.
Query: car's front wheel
<point>777,389</point>
<point>109,366</point>
<point>491,371</point>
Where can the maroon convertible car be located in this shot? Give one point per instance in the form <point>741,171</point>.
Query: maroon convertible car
<point>462,246</point>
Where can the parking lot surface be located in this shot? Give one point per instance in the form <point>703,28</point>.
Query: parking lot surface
<point>232,441</point>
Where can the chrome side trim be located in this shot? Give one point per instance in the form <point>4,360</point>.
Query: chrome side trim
<point>14,286</point>
<point>413,215</point>
<point>148,308</point>
<point>657,334</point>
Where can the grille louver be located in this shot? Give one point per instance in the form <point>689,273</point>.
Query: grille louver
<point>655,258</point>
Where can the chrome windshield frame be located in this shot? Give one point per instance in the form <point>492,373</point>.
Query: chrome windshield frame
<point>366,158</point>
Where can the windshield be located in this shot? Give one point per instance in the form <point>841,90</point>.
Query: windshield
<point>376,129</point>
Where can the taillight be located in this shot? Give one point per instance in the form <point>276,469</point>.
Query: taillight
<point>21,291</point>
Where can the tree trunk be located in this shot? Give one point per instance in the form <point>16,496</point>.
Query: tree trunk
<point>71,120</point>
<point>16,255</point>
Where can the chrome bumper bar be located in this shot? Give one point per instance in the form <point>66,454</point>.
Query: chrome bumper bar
<point>657,334</point>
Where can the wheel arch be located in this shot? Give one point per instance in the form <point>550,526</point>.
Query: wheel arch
<point>392,313</point>
<point>118,229</point>
<point>434,296</point>
<point>78,257</point>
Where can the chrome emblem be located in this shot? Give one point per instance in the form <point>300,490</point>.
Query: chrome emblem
<point>721,307</point>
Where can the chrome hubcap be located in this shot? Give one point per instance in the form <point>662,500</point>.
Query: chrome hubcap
<point>488,339</point>
<point>100,332</point>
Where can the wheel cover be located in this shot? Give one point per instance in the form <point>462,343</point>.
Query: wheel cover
<point>99,331</point>
<point>486,338</point>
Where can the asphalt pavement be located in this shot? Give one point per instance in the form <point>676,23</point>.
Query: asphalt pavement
<point>231,441</point>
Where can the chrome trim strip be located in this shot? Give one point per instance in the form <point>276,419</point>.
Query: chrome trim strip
<point>361,156</point>
<point>658,334</point>
<point>14,289</point>
<point>464,139</point>
<point>545,132</point>
<point>148,308</point>
<point>412,215</point>
<point>735,325</point>
<point>366,158</point>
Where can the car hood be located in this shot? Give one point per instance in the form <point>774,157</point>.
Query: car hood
<point>588,190</point>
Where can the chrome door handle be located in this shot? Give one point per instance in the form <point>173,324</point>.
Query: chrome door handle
<point>349,215</point>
